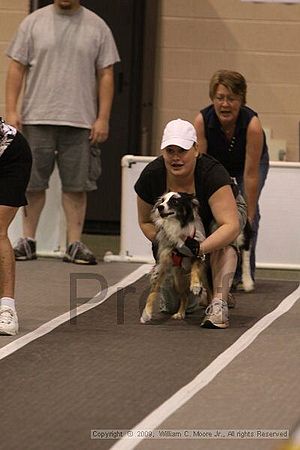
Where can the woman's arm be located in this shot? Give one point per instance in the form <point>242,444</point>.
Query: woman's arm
<point>224,209</point>
<point>200,129</point>
<point>254,148</point>
<point>144,218</point>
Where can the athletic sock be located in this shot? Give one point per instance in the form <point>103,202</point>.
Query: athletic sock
<point>8,301</point>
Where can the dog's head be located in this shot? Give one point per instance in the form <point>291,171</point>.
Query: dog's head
<point>178,206</point>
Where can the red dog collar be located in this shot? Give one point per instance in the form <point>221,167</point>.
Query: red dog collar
<point>177,259</point>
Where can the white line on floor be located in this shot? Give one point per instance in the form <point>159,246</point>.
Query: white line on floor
<point>92,303</point>
<point>166,409</point>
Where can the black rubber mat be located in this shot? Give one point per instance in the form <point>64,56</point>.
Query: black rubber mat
<point>107,371</point>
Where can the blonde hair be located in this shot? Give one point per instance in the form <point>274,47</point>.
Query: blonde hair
<point>233,81</point>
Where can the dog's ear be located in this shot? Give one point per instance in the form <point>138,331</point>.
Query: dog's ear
<point>158,202</point>
<point>186,195</point>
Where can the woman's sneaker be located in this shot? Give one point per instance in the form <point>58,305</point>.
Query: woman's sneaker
<point>78,253</point>
<point>216,315</point>
<point>8,321</point>
<point>25,249</point>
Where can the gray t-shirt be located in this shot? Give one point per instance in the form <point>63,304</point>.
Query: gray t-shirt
<point>62,52</point>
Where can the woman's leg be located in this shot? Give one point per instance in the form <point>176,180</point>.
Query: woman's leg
<point>263,170</point>
<point>7,259</point>
<point>223,265</point>
<point>8,316</point>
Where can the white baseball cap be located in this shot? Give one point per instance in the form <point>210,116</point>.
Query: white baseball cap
<point>179,132</point>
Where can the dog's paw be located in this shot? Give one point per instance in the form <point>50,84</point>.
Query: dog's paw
<point>248,284</point>
<point>195,288</point>
<point>145,317</point>
<point>178,316</point>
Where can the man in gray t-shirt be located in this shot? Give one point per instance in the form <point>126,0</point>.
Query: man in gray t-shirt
<point>65,54</point>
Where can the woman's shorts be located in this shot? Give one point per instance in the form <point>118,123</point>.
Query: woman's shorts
<point>242,214</point>
<point>15,167</point>
<point>78,162</point>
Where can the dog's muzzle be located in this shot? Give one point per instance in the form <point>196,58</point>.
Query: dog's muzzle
<point>163,212</point>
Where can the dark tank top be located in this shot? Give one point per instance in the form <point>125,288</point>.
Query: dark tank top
<point>230,153</point>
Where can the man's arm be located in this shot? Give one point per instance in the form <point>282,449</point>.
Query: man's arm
<point>14,82</point>
<point>100,129</point>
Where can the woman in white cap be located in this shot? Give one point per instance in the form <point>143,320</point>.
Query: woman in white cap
<point>181,168</point>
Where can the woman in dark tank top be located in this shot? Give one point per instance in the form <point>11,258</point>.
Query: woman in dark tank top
<point>231,132</point>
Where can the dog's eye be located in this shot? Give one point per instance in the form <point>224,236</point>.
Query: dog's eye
<point>173,201</point>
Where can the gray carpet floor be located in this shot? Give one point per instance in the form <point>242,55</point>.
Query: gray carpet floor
<point>107,370</point>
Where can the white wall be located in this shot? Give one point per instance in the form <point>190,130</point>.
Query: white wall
<point>279,235</point>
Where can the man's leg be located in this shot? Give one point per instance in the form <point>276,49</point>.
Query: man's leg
<point>76,162</point>
<point>32,213</point>
<point>74,204</point>
<point>25,248</point>
<point>42,141</point>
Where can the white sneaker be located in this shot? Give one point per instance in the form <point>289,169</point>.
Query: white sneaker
<point>8,321</point>
<point>216,315</point>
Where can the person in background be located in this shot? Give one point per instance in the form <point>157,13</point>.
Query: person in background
<point>15,166</point>
<point>181,168</point>
<point>232,133</point>
<point>65,54</point>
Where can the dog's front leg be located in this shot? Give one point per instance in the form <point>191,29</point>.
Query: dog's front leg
<point>181,284</point>
<point>180,315</point>
<point>148,310</point>
<point>196,278</point>
<point>156,283</point>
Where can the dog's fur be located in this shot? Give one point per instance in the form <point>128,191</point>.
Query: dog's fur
<point>176,217</point>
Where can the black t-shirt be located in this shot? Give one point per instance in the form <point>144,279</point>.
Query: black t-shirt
<point>210,175</point>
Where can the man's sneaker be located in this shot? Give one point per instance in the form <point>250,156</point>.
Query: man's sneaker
<point>8,321</point>
<point>216,315</point>
<point>78,253</point>
<point>25,249</point>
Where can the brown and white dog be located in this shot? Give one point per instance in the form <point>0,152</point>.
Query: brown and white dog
<point>176,218</point>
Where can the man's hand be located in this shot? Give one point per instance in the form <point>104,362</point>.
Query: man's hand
<point>99,131</point>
